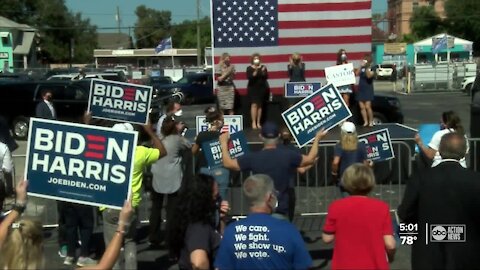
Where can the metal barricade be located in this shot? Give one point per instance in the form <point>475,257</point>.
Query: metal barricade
<point>314,190</point>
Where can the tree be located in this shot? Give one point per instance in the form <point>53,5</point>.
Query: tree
<point>57,27</point>
<point>425,22</point>
<point>463,20</point>
<point>185,34</point>
<point>151,26</point>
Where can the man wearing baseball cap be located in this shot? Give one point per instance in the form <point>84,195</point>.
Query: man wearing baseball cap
<point>277,162</point>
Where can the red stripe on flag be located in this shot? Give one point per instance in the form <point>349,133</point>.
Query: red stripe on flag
<point>94,138</point>
<point>324,7</point>
<point>309,73</point>
<point>324,23</point>
<point>325,40</point>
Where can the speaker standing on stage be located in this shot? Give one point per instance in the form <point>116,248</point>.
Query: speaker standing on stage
<point>226,88</point>
<point>257,89</point>
<point>296,68</point>
<point>365,90</point>
<point>345,90</point>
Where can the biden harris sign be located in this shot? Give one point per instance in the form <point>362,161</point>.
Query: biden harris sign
<point>237,146</point>
<point>378,145</point>
<point>120,101</point>
<point>301,89</point>
<point>323,109</point>
<point>79,163</point>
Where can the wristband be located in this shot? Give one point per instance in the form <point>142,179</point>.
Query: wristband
<point>19,208</point>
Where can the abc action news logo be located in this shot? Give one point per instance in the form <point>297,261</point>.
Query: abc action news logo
<point>90,155</point>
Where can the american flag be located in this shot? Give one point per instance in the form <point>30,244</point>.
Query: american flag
<point>316,29</point>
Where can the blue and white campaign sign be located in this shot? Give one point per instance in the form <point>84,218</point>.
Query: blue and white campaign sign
<point>340,75</point>
<point>237,146</point>
<point>120,101</point>
<point>301,89</point>
<point>323,109</point>
<point>232,123</point>
<point>79,163</point>
<point>378,145</point>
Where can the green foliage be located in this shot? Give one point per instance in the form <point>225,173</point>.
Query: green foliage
<point>463,20</point>
<point>152,26</point>
<point>408,38</point>
<point>184,34</point>
<point>57,26</point>
<point>425,22</point>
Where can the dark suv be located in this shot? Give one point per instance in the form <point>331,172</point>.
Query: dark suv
<point>195,87</point>
<point>18,101</point>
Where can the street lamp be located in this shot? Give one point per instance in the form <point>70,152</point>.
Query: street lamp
<point>199,53</point>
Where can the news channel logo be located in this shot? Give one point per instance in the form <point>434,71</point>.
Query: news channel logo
<point>448,233</point>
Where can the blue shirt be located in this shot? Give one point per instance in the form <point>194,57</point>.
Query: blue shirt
<point>348,158</point>
<point>261,241</point>
<point>278,163</point>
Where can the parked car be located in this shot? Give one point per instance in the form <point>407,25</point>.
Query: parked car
<point>384,71</point>
<point>18,101</point>
<point>195,87</point>
<point>386,109</point>
<point>467,84</point>
<point>112,76</point>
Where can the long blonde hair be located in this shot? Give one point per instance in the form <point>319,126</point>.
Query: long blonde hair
<point>23,248</point>
<point>348,141</point>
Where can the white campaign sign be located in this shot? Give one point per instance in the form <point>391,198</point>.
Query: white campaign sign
<point>232,123</point>
<point>340,75</point>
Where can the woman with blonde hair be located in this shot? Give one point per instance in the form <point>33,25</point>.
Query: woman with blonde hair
<point>360,227</point>
<point>348,151</point>
<point>226,89</point>
<point>365,90</point>
<point>296,68</point>
<point>21,242</point>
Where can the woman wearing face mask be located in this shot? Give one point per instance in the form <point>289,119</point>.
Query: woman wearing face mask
<point>257,89</point>
<point>296,73</point>
<point>345,90</point>
<point>450,122</point>
<point>365,90</point>
<point>221,175</point>
<point>226,88</point>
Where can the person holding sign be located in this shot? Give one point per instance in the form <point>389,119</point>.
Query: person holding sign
<point>257,88</point>
<point>21,242</point>
<point>226,88</point>
<point>221,175</point>
<point>279,163</point>
<point>365,90</point>
<point>345,90</point>
<point>347,152</point>
<point>167,177</point>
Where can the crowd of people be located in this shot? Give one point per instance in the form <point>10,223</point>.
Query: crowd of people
<point>198,232</point>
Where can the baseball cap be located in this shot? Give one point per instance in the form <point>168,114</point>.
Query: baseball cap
<point>270,130</point>
<point>348,127</point>
<point>123,127</point>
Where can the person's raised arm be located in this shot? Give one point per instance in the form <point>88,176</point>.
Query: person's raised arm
<point>426,150</point>
<point>17,210</point>
<point>312,154</point>
<point>155,140</point>
<point>228,162</point>
<point>113,249</point>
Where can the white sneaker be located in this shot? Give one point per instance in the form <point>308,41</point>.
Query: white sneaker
<point>68,260</point>
<point>86,261</point>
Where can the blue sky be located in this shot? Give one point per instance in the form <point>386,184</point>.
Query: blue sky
<point>102,12</point>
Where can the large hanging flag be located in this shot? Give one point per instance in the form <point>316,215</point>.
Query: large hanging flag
<point>317,29</point>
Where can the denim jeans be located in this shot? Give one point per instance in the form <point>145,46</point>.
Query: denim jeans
<point>221,176</point>
<point>110,224</point>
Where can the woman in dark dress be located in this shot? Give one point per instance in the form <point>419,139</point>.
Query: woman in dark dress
<point>365,90</point>
<point>257,89</point>
<point>296,73</point>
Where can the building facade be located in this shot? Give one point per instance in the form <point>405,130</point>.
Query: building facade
<point>17,46</point>
<point>400,12</point>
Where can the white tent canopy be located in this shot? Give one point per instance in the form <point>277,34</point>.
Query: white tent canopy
<point>428,42</point>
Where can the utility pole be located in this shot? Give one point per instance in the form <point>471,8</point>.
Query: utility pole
<point>199,53</point>
<point>117,18</point>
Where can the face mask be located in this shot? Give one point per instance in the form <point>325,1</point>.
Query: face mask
<point>48,98</point>
<point>178,113</point>
<point>274,205</point>
<point>343,57</point>
<point>256,61</point>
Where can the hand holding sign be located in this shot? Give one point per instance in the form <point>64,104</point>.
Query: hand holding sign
<point>224,138</point>
<point>321,134</point>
